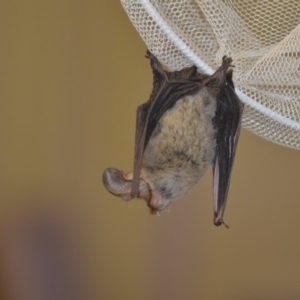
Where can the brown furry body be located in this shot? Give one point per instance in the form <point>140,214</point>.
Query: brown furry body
<point>181,147</point>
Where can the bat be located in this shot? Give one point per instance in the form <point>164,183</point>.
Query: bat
<point>191,121</point>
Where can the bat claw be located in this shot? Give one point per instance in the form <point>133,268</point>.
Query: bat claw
<point>148,54</point>
<point>227,62</point>
<point>226,58</point>
<point>156,65</point>
<point>225,224</point>
<point>221,73</point>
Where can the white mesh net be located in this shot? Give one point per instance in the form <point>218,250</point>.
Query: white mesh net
<point>262,37</point>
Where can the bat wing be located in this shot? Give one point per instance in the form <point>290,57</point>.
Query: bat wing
<point>228,122</point>
<point>168,88</point>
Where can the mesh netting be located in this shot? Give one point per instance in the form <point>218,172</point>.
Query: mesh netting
<point>262,37</point>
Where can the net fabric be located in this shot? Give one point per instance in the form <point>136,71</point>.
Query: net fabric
<point>262,37</point>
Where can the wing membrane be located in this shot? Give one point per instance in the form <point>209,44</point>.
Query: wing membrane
<point>228,119</point>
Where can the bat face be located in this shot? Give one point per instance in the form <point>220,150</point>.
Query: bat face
<point>190,122</point>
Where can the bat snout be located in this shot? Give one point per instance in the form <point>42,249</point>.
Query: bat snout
<point>157,203</point>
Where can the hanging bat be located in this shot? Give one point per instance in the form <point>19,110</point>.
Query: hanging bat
<point>190,122</point>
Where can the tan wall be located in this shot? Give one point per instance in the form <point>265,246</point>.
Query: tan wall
<point>72,74</point>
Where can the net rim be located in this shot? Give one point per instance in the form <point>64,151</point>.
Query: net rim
<point>191,55</point>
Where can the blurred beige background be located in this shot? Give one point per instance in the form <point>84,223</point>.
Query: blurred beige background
<point>72,74</point>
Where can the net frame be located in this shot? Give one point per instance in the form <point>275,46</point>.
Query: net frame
<point>262,37</point>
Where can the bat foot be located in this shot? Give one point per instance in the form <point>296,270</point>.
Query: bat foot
<point>226,62</point>
<point>220,75</point>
